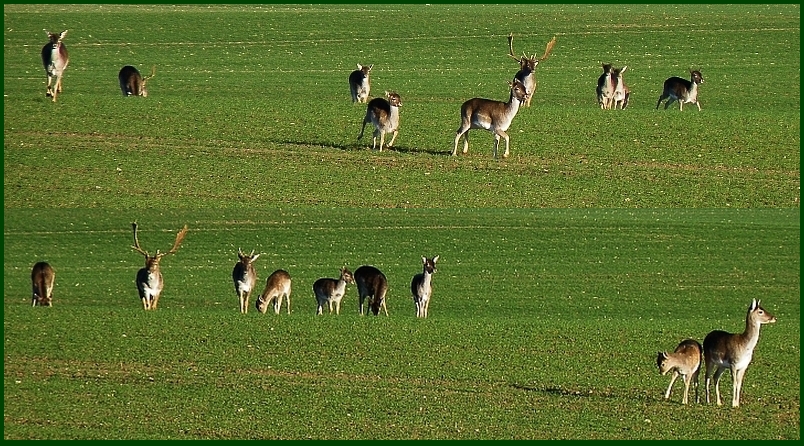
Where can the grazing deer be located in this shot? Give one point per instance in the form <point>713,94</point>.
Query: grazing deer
<point>360,84</point>
<point>149,278</point>
<point>55,60</point>
<point>724,350</point>
<point>245,277</point>
<point>371,283</point>
<point>527,66</point>
<point>331,291</point>
<point>606,85</point>
<point>132,83</point>
<point>277,287</point>
<point>42,280</point>
<point>686,362</point>
<point>621,91</point>
<point>384,115</point>
<point>421,286</point>
<point>494,116</point>
<point>681,90</point>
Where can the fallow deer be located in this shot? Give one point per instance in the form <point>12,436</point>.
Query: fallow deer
<point>55,59</point>
<point>491,115</point>
<point>732,351</point>
<point>245,277</point>
<point>42,280</point>
<point>681,90</point>
<point>621,90</point>
<point>371,284</point>
<point>277,287</point>
<point>149,279</point>
<point>329,292</point>
<point>421,286</point>
<point>384,116</point>
<point>685,361</point>
<point>132,83</point>
<point>606,84</point>
<point>360,83</point>
<point>527,66</point>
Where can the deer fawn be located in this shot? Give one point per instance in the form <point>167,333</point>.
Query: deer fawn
<point>55,60</point>
<point>371,283</point>
<point>149,278</point>
<point>686,362</point>
<point>132,83</point>
<point>360,84</point>
<point>494,116</point>
<point>621,91</point>
<point>42,280</point>
<point>245,277</point>
<point>724,350</point>
<point>681,90</point>
<point>331,291</point>
<point>527,66</point>
<point>606,85</point>
<point>384,115</point>
<point>277,287</point>
<point>421,286</point>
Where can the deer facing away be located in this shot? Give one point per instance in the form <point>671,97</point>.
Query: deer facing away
<point>329,292</point>
<point>42,279</point>
<point>685,361</point>
<point>371,284</point>
<point>277,288</point>
<point>384,116</point>
<point>527,66</point>
<point>149,278</point>
<point>421,286</point>
<point>55,59</point>
<point>360,83</point>
<point>245,277</point>
<point>132,83</point>
<point>681,90</point>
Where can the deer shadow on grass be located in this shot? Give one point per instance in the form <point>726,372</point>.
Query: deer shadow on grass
<point>362,147</point>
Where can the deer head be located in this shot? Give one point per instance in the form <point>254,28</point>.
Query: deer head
<point>152,261</point>
<point>145,79</point>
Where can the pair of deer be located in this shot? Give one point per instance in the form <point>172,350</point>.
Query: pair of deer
<point>382,114</point>
<point>611,89</point>
<point>720,351</point>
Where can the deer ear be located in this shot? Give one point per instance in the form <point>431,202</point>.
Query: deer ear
<point>63,33</point>
<point>359,67</point>
<point>754,305</point>
<point>370,67</point>
<point>435,259</point>
<point>624,68</point>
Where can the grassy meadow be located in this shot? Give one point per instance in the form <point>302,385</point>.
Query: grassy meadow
<point>605,237</point>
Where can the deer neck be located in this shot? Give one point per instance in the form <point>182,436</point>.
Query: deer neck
<point>511,107</point>
<point>340,287</point>
<point>394,118</point>
<point>750,337</point>
<point>426,280</point>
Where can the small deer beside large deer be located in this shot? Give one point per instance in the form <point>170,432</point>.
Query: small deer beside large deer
<point>55,60</point>
<point>149,278</point>
<point>132,83</point>
<point>527,66</point>
<point>685,361</point>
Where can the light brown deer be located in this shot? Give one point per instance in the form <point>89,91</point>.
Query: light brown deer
<point>527,66</point>
<point>681,90</point>
<point>360,83</point>
<point>384,116</point>
<point>491,115</point>
<point>730,351</point>
<point>621,91</point>
<point>606,84</point>
<point>132,83</point>
<point>685,361</point>
<point>149,279</point>
<point>329,292</point>
<point>42,280</point>
<point>421,286</point>
<point>55,59</point>
<point>371,284</point>
<point>277,287</point>
<point>245,277</point>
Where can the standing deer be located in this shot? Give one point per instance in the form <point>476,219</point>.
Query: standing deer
<point>371,284</point>
<point>494,116</point>
<point>277,287</point>
<point>245,277</point>
<point>421,286</point>
<point>384,116</point>
<point>724,350</point>
<point>132,83</point>
<point>621,91</point>
<point>606,84</point>
<point>331,291</point>
<point>360,83</point>
<point>681,90</point>
<point>42,279</point>
<point>149,278</point>
<point>527,66</point>
<point>55,60</point>
<point>686,362</point>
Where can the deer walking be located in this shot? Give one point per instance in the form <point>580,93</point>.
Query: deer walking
<point>384,116</point>
<point>724,350</point>
<point>132,83</point>
<point>329,292</point>
<point>245,277</point>
<point>42,280</point>
<point>606,85</point>
<point>371,284</point>
<point>421,286</point>
<point>360,83</point>
<point>527,66</point>
<point>277,288</point>
<point>685,361</point>
<point>494,116</point>
<point>681,90</point>
<point>621,90</point>
<point>55,59</point>
<point>149,279</point>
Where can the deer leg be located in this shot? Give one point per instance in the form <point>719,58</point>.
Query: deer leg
<point>687,379</point>
<point>718,373</point>
<point>382,138</point>
<point>737,386</point>
<point>505,135</point>
<point>288,299</point>
<point>670,387</point>
<point>360,136</point>
<point>393,138</point>
<point>698,104</point>
<point>694,379</point>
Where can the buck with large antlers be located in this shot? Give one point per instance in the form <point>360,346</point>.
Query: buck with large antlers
<point>527,66</point>
<point>149,278</point>
<point>55,60</point>
<point>42,280</point>
<point>132,83</point>
<point>245,277</point>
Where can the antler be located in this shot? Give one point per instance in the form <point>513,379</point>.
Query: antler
<point>136,246</point>
<point>511,46</point>
<point>548,49</point>
<point>179,239</point>
<point>153,73</point>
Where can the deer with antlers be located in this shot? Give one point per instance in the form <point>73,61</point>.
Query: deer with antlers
<point>132,83</point>
<point>527,66</point>
<point>149,278</point>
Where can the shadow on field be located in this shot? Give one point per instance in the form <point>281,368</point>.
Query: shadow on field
<point>560,391</point>
<point>360,146</point>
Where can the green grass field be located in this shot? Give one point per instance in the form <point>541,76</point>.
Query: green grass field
<point>605,237</point>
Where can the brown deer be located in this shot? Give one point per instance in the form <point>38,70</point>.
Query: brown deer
<point>724,350</point>
<point>329,292</point>
<point>685,361</point>
<point>360,83</point>
<point>527,66</point>
<point>681,90</point>
<point>384,116</point>
<point>245,277</point>
<point>621,90</point>
<point>491,115</point>
<point>606,85</point>
<point>149,278</point>
<point>132,83</point>
<point>42,279</point>
<point>277,287</point>
<point>55,60</point>
<point>421,286</point>
<point>371,284</point>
